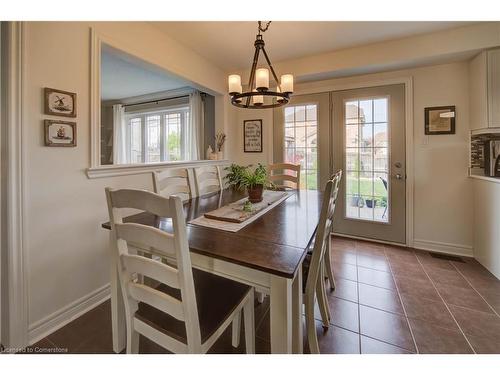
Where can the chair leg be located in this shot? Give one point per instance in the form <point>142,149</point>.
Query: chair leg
<point>249,321</point>
<point>325,297</point>
<point>312,339</point>
<point>260,297</point>
<point>327,259</point>
<point>236,328</point>
<point>132,340</point>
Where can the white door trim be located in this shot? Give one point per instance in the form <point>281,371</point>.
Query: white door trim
<point>408,83</point>
<point>17,280</point>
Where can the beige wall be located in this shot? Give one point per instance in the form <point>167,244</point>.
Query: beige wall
<point>443,197</point>
<point>66,248</point>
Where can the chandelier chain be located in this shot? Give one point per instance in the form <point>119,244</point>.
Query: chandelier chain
<point>263,29</point>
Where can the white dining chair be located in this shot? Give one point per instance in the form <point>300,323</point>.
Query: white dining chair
<point>172,182</point>
<point>182,309</point>
<point>314,268</point>
<point>208,180</point>
<point>281,178</point>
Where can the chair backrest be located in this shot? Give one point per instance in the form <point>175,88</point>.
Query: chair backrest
<point>207,179</point>
<point>172,182</point>
<point>130,236</point>
<point>323,232</point>
<point>281,178</point>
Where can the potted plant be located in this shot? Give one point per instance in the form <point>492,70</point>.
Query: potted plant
<point>371,203</point>
<point>240,177</point>
<point>234,176</point>
<point>255,182</point>
<point>357,201</point>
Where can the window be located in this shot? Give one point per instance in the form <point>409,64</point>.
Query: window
<point>301,143</point>
<point>157,136</point>
<point>367,159</point>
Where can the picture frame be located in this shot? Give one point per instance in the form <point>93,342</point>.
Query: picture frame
<point>59,102</point>
<point>252,135</point>
<point>60,133</point>
<point>440,120</point>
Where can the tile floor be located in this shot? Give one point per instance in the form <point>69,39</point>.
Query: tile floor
<point>387,300</point>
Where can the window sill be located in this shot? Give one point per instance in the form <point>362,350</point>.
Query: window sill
<point>133,169</point>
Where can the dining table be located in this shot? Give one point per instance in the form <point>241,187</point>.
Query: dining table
<point>266,254</point>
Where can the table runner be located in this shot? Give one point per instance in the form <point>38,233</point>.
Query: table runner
<point>234,227</point>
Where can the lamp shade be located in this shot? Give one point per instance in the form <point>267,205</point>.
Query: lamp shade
<point>262,79</point>
<point>287,83</point>
<point>234,81</point>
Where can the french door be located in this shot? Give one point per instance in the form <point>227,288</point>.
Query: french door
<point>369,146</point>
<point>301,135</point>
<point>362,132</point>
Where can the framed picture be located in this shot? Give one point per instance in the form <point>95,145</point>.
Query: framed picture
<point>60,133</point>
<point>440,120</point>
<point>252,136</point>
<point>60,103</point>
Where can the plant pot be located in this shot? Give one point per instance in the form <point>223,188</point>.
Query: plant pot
<point>255,193</point>
<point>371,203</point>
<point>357,201</point>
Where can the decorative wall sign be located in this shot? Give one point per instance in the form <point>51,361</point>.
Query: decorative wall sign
<point>60,103</point>
<point>440,120</point>
<point>60,133</point>
<point>252,135</point>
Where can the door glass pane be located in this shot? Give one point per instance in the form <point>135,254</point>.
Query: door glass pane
<point>300,136</point>
<point>300,114</point>
<point>301,142</point>
<point>380,110</point>
<point>366,159</point>
<point>351,136</point>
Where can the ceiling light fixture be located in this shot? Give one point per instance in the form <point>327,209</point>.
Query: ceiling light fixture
<point>255,98</point>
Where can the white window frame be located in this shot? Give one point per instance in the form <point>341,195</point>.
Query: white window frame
<point>143,115</point>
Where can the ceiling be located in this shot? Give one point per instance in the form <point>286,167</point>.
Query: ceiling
<point>125,76</point>
<point>229,45</point>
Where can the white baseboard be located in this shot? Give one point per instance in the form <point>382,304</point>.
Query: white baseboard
<point>443,247</point>
<point>68,313</point>
<point>434,246</point>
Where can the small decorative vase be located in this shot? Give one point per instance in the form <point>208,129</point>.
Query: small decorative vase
<point>220,155</point>
<point>212,156</point>
<point>255,193</point>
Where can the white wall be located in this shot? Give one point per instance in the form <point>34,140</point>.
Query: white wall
<point>443,194</point>
<point>66,248</point>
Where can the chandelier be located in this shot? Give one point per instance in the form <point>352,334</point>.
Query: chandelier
<point>261,96</point>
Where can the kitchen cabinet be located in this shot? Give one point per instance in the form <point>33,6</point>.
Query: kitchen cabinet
<point>484,85</point>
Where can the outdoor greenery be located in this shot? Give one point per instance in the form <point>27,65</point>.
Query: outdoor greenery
<point>365,187</point>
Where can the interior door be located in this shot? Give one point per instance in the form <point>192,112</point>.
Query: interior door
<point>369,146</point>
<point>301,134</point>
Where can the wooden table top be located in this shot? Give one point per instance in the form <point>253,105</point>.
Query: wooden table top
<point>275,243</point>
